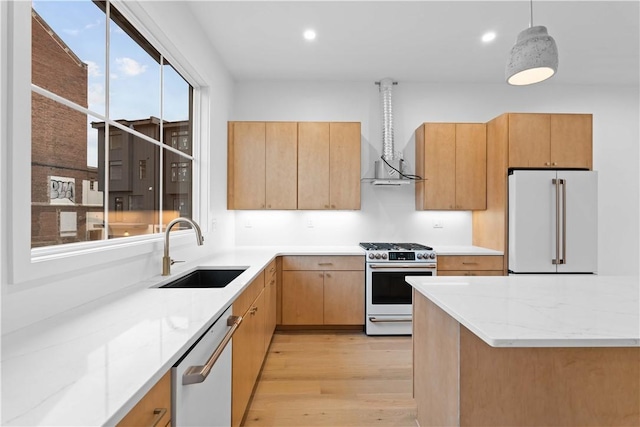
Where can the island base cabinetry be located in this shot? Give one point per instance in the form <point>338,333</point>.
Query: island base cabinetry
<point>460,380</point>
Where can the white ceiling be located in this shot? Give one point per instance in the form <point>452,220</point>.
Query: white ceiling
<point>418,41</point>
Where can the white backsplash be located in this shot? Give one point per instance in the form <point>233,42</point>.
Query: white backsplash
<point>387,214</point>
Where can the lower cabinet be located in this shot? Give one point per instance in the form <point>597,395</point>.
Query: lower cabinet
<point>250,342</point>
<point>154,409</point>
<point>323,290</point>
<point>470,265</point>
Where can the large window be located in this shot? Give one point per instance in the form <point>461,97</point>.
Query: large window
<point>111,125</point>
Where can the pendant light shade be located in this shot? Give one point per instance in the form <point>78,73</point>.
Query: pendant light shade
<point>533,58</point>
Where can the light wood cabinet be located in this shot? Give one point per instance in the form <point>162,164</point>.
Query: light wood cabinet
<point>323,290</point>
<point>470,265</point>
<point>154,408</point>
<point>262,169</point>
<point>249,347</point>
<point>328,165</point>
<point>451,157</point>
<point>270,302</point>
<point>526,140</point>
<point>550,140</point>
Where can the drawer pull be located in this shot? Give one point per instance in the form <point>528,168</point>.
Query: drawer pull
<point>325,263</point>
<point>469,263</point>
<point>159,414</point>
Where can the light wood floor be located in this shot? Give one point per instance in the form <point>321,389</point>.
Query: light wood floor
<point>334,379</point>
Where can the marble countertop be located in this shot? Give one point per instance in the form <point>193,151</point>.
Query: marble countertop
<point>464,250</point>
<point>89,366</point>
<point>541,310</point>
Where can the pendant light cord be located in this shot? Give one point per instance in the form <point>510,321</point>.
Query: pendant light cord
<point>530,13</point>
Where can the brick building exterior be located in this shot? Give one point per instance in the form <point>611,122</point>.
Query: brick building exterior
<point>59,143</point>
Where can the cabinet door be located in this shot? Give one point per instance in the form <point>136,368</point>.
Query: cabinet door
<point>529,140</point>
<point>241,373</point>
<point>281,165</point>
<point>149,410</point>
<point>302,297</point>
<point>344,165</point>
<point>471,166</point>
<point>344,298</point>
<point>439,165</point>
<point>313,165</point>
<point>246,168</point>
<point>571,140</point>
<point>270,302</point>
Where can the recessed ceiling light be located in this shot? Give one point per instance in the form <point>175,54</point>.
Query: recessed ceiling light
<point>488,36</point>
<point>309,35</point>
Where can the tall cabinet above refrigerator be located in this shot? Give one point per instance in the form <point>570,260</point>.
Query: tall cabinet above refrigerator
<point>553,221</point>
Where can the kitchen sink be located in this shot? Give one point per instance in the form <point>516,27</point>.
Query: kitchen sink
<point>206,278</point>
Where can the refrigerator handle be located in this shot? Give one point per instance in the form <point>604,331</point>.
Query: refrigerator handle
<point>563,260</point>
<point>557,259</point>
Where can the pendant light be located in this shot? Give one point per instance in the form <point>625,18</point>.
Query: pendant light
<point>534,57</point>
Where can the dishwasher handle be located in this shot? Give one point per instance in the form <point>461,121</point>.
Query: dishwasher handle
<point>197,374</point>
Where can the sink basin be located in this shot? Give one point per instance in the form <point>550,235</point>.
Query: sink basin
<point>206,278</point>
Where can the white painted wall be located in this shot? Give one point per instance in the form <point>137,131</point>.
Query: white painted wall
<point>388,213</point>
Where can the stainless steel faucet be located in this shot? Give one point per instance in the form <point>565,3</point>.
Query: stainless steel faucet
<point>167,262</point>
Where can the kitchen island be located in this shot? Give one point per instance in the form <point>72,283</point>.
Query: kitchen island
<point>526,350</point>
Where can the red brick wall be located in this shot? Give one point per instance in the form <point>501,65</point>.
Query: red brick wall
<point>58,134</point>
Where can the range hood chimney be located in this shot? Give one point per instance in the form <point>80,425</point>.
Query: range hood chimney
<point>388,170</point>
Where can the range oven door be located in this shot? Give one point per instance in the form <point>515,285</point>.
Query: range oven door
<point>388,296</point>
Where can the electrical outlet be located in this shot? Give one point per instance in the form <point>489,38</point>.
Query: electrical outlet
<point>247,224</point>
<point>309,223</point>
<point>438,223</point>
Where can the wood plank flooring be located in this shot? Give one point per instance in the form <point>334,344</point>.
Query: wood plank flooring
<point>334,379</point>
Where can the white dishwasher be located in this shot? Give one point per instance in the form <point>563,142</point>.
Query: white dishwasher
<point>201,390</point>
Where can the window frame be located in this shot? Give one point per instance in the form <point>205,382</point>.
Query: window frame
<point>23,263</point>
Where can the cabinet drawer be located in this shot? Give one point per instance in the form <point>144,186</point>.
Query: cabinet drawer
<point>154,408</point>
<point>470,262</point>
<point>470,273</point>
<point>332,263</point>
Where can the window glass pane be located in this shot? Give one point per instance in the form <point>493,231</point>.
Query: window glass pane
<point>66,198</point>
<point>177,95</point>
<point>68,54</point>
<point>133,195</point>
<point>134,89</point>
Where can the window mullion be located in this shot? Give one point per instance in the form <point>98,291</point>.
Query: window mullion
<point>107,131</point>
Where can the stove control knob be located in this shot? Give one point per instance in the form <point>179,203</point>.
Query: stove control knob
<point>432,255</point>
<point>384,256</point>
<point>378,256</point>
<point>371,256</point>
<point>419,256</point>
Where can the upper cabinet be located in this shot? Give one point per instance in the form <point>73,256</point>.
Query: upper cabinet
<point>550,140</point>
<point>451,157</point>
<point>262,170</point>
<point>328,165</point>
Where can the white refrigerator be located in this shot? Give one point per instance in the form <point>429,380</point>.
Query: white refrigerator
<point>553,221</point>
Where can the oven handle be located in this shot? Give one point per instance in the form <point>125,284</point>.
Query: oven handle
<point>396,266</point>
<point>373,319</point>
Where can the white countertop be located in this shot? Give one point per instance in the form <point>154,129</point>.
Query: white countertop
<point>464,250</point>
<point>91,365</point>
<point>541,310</point>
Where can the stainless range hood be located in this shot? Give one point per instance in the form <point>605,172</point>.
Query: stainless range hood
<point>389,169</point>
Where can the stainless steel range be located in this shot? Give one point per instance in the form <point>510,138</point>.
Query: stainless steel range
<point>388,296</point>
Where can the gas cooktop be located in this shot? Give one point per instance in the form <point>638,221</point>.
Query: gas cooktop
<point>395,247</point>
